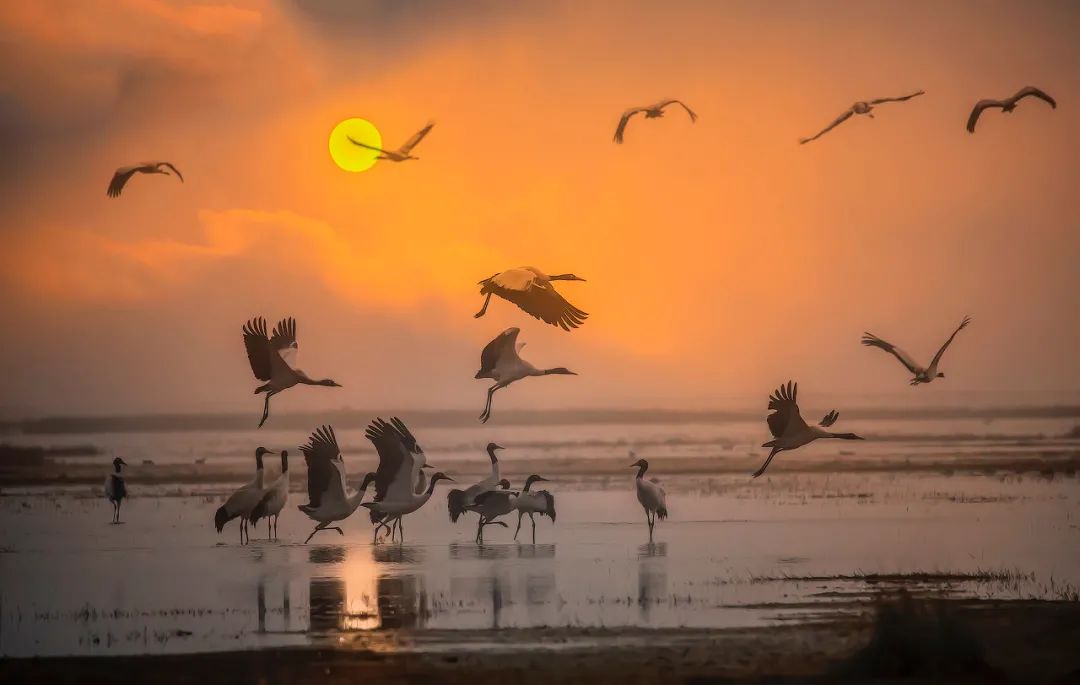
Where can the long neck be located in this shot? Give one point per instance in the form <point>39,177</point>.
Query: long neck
<point>641,470</point>
<point>557,370</point>
<point>528,484</point>
<point>844,436</point>
<point>430,489</point>
<point>117,467</point>
<point>560,277</point>
<point>305,380</point>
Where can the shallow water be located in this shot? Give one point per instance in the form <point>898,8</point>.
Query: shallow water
<point>734,553</point>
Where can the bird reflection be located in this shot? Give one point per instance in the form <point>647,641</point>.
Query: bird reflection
<point>536,551</point>
<point>651,549</point>
<point>261,604</point>
<point>652,577</point>
<point>327,599</point>
<point>398,554</point>
<point>326,555</point>
<point>462,552</point>
<point>401,601</point>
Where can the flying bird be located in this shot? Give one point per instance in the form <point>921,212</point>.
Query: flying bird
<point>650,494</point>
<point>402,153</point>
<point>124,173</point>
<point>788,427</point>
<point>243,500</point>
<point>531,290</point>
<point>861,107</point>
<point>500,362</point>
<point>651,112</point>
<point>329,500</point>
<point>273,498</point>
<point>273,359</point>
<point>1006,105</point>
<point>922,374</point>
<point>459,501</point>
<point>533,502</point>
<point>115,490</point>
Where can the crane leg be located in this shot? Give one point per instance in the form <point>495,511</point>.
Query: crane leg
<point>317,529</point>
<point>401,530</point>
<point>483,310</point>
<point>266,407</point>
<point>487,407</point>
<point>533,519</point>
<point>518,529</point>
<point>267,527</point>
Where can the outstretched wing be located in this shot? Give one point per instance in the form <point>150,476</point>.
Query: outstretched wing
<point>937,357</point>
<point>174,170</point>
<point>899,99</point>
<point>258,348</point>
<point>785,417</point>
<point>1032,90</point>
<point>839,120</point>
<point>622,122</point>
<point>542,301</point>
<point>321,454</point>
<point>905,359</point>
<point>504,343</point>
<point>365,145</point>
<point>417,137</point>
<point>395,445</point>
<point>665,103</point>
<point>283,341</point>
<point>978,110</point>
<point>120,178</point>
<point>829,419</point>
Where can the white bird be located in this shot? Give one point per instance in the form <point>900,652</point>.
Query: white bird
<point>650,494</point>
<point>402,153</point>
<point>531,290</point>
<point>459,501</point>
<point>273,498</point>
<point>651,112</point>
<point>788,427</point>
<point>1007,105</point>
<point>243,500</point>
<point>492,504</point>
<point>922,374</point>
<point>500,362</point>
<point>115,490</point>
<point>273,359</point>
<point>533,502</point>
<point>124,173</point>
<point>328,499</point>
<point>862,107</point>
<point>399,459</point>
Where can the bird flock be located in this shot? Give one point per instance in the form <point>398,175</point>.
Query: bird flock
<point>401,483</point>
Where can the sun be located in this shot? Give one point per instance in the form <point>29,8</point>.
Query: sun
<point>352,157</point>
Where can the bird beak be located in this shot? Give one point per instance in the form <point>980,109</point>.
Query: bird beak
<point>580,279</point>
<point>448,478</point>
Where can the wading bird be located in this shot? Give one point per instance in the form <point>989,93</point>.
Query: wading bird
<point>395,479</point>
<point>328,499</point>
<point>650,494</point>
<point>491,505</point>
<point>788,427</point>
<point>402,153</point>
<point>651,112</point>
<point>459,501</point>
<point>922,374</point>
<point>500,362</point>
<point>531,290</point>
<point>243,500</point>
<point>1006,105</point>
<point>115,490</point>
<point>124,173</point>
<point>535,502</point>
<point>861,107</point>
<point>273,359</point>
<point>274,498</point>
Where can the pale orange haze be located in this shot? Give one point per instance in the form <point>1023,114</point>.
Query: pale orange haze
<point>721,257</point>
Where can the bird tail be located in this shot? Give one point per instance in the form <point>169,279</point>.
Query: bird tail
<point>661,513</point>
<point>376,517</point>
<point>221,517</point>
<point>260,509</point>
<point>455,504</point>
<point>549,509</point>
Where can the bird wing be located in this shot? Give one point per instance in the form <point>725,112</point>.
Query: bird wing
<point>416,138</point>
<point>937,357</point>
<point>899,99</point>
<point>521,278</point>
<point>120,178</point>
<point>785,417</point>
<point>320,453</point>
<point>665,103</point>
<point>977,110</point>
<point>504,343</point>
<point>829,419</point>
<point>258,348</point>
<point>1032,90</point>
<point>622,122</point>
<point>542,301</point>
<point>839,120</point>
<point>174,169</point>
<point>905,358</point>
<point>283,342</point>
<point>393,442</point>
<point>370,147</point>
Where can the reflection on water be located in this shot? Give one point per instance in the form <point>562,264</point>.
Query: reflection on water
<point>463,551</point>
<point>327,555</point>
<point>327,604</point>
<point>401,600</point>
<point>536,551</point>
<point>398,554</point>
<point>652,578</point>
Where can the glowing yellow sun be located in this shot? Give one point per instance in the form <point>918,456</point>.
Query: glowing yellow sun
<point>349,156</point>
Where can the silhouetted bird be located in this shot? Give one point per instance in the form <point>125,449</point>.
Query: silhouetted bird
<point>650,494</point>
<point>1006,105</point>
<point>402,153</point>
<point>243,500</point>
<point>328,499</point>
<point>789,428</point>
<point>922,374</point>
<point>651,112</point>
<point>531,290</point>
<point>861,107</point>
<point>533,502</point>
<point>120,178</point>
<point>500,362</point>
<point>115,490</point>
<point>273,498</point>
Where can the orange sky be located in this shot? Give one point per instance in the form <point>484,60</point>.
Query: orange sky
<point>722,258</point>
